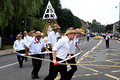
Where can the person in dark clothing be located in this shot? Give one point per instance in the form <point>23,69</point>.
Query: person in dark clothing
<point>11,39</point>
<point>88,36</point>
<point>107,37</point>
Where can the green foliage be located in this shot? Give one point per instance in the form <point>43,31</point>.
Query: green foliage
<point>12,12</point>
<point>37,24</point>
<point>77,22</point>
<point>66,19</point>
<point>97,27</point>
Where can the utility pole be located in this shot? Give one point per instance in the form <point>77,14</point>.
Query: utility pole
<point>119,18</point>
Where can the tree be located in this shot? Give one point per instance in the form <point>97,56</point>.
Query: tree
<point>11,13</point>
<point>96,26</point>
<point>77,22</point>
<point>66,19</point>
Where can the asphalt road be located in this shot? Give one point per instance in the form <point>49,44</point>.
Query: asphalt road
<point>98,67</point>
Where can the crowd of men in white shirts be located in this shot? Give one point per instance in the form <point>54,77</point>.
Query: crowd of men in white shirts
<point>61,49</point>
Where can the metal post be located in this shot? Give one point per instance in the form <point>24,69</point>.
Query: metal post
<point>119,14</point>
<point>0,42</point>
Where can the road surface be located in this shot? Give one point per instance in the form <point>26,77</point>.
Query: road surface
<point>99,63</point>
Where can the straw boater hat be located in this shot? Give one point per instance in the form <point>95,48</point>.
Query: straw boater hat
<point>19,35</point>
<point>69,32</point>
<point>56,26</point>
<point>38,33</point>
<point>31,32</point>
<point>82,31</point>
<point>78,31</point>
<point>71,28</point>
<point>25,32</point>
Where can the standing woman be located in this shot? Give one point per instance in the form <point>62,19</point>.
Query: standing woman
<point>19,46</point>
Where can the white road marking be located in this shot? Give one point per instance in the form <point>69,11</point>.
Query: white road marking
<point>8,65</point>
<point>118,41</point>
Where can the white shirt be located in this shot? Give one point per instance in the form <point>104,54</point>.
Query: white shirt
<point>45,40</point>
<point>107,37</point>
<point>30,39</point>
<point>19,45</point>
<point>73,44</point>
<point>26,39</point>
<point>52,38</point>
<point>35,47</point>
<point>62,47</point>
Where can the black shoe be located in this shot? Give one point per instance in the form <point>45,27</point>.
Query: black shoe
<point>37,77</point>
<point>25,60</point>
<point>33,76</point>
<point>21,66</point>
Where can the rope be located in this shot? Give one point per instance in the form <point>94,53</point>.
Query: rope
<point>34,57</point>
<point>89,63</point>
<point>98,66</point>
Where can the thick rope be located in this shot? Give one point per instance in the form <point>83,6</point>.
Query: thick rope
<point>72,64</point>
<point>89,63</point>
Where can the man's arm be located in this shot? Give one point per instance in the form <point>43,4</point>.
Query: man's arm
<point>49,40</point>
<point>54,56</point>
<point>50,45</point>
<point>69,54</point>
<point>26,50</point>
<point>79,49</point>
<point>46,49</point>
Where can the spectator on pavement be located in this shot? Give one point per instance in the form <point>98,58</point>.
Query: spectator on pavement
<point>11,39</point>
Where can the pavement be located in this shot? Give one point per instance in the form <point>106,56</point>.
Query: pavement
<point>5,52</point>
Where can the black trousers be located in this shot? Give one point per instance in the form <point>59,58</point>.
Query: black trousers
<point>107,43</point>
<point>51,63</point>
<point>20,58</point>
<point>71,72</point>
<point>51,58</point>
<point>55,69</point>
<point>87,39</point>
<point>36,64</point>
<point>25,58</point>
